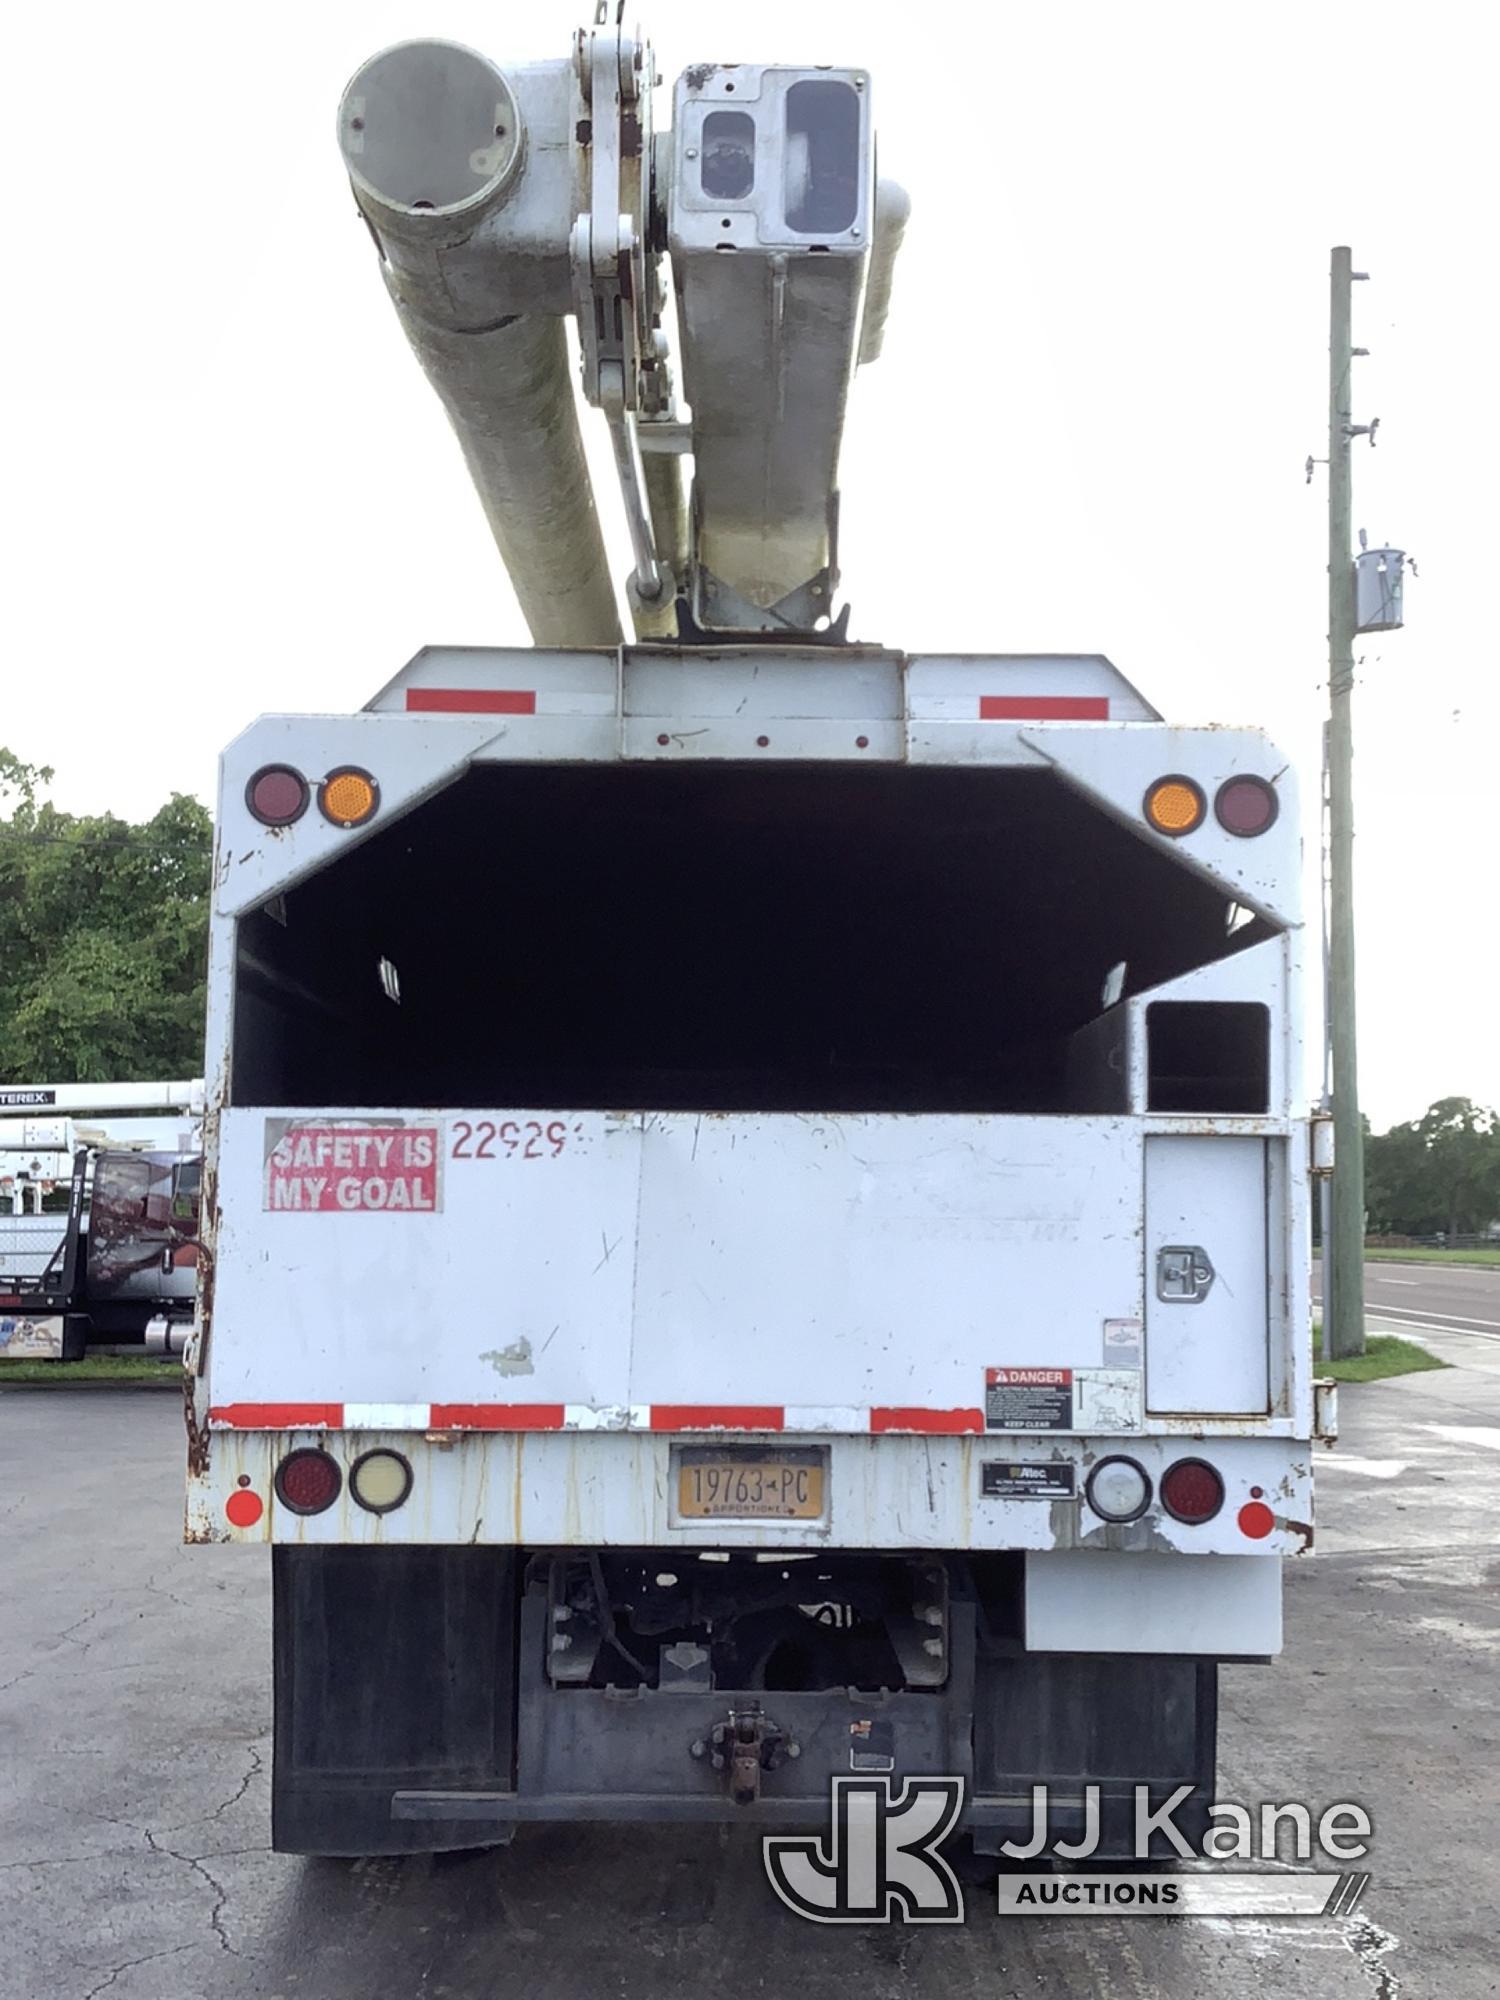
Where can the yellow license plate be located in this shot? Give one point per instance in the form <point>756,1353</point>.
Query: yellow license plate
<point>749,1485</point>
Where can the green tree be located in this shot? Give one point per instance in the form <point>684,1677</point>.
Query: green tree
<point>103,937</point>
<point>1397,1199</point>
<point>1439,1172</point>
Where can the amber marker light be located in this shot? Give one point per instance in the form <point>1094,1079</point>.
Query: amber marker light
<point>348,796</point>
<point>1175,806</point>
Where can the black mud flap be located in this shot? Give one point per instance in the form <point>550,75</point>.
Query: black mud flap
<point>394,1669</point>
<point>1069,1720</point>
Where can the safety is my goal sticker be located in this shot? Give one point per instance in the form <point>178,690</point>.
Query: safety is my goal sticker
<point>352,1166</point>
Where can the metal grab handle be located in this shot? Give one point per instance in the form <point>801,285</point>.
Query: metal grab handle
<point>1184,1274</point>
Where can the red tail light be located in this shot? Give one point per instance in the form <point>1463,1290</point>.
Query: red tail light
<point>308,1481</point>
<point>1191,1491</point>
<point>1246,806</point>
<point>277,795</point>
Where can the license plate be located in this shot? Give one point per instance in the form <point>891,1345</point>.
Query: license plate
<point>749,1485</point>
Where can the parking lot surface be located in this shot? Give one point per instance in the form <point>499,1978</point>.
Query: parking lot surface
<point>134,1750</point>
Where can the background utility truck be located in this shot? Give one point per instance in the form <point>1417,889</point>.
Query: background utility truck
<point>98,1217</point>
<point>756,1184</point>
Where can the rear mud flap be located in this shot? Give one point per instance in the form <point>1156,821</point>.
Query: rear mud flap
<point>393,1668</point>
<point>1068,1720</point>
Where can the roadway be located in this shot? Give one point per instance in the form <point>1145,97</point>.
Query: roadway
<point>1414,1296</point>
<point>134,1746</point>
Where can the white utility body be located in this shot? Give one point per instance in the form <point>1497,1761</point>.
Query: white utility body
<point>756,1187</point>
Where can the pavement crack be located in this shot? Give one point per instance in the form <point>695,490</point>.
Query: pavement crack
<point>1370,1944</point>
<point>220,1893</point>
<point>105,1819</point>
<point>79,1623</point>
<point>161,1590</point>
<point>203,1819</point>
<point>244,1785</point>
<point>129,1964</point>
<point>57,1860</point>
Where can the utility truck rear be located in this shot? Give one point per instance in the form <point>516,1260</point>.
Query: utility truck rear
<point>756,1187</point>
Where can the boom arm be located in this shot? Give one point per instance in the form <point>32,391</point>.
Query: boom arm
<point>502,202</point>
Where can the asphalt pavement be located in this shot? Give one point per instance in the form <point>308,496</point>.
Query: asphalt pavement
<point>134,1746</point>
<point>1409,1297</point>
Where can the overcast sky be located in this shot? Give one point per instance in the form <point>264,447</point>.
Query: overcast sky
<point>226,488</point>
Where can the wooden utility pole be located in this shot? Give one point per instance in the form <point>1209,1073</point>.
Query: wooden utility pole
<point>1344,1247</point>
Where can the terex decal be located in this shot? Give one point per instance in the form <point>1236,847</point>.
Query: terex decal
<point>352,1166</point>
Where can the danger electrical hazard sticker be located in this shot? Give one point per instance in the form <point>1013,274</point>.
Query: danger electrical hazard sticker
<point>352,1167</point>
<point>1028,1399</point>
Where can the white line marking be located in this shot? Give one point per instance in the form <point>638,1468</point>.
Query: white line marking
<point>1373,1468</point>
<point>1453,1322</point>
<point>1480,1434</point>
<point>1435,1270</point>
<point>1383,1319</point>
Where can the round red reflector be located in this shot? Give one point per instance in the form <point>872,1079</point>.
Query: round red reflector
<point>1246,806</point>
<point>1256,1520</point>
<point>1191,1491</point>
<point>244,1509</point>
<point>308,1481</point>
<point>277,795</point>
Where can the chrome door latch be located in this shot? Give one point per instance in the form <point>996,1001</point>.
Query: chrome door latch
<point>1184,1274</point>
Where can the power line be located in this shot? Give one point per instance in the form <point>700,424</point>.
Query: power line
<point>131,837</point>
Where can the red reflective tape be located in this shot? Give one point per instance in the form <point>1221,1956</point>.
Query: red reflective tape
<point>497,1416</point>
<point>946,1423</point>
<point>279,1416</point>
<point>471,701</point>
<point>1044,708</point>
<point>718,1417</point>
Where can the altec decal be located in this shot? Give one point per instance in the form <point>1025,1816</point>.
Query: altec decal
<point>353,1168</point>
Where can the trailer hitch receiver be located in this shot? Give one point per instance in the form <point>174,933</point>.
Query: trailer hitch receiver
<point>745,1744</point>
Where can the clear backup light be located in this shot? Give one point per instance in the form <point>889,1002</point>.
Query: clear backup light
<point>380,1480</point>
<point>1118,1489</point>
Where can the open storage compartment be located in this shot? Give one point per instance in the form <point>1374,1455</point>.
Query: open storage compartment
<point>777,937</point>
